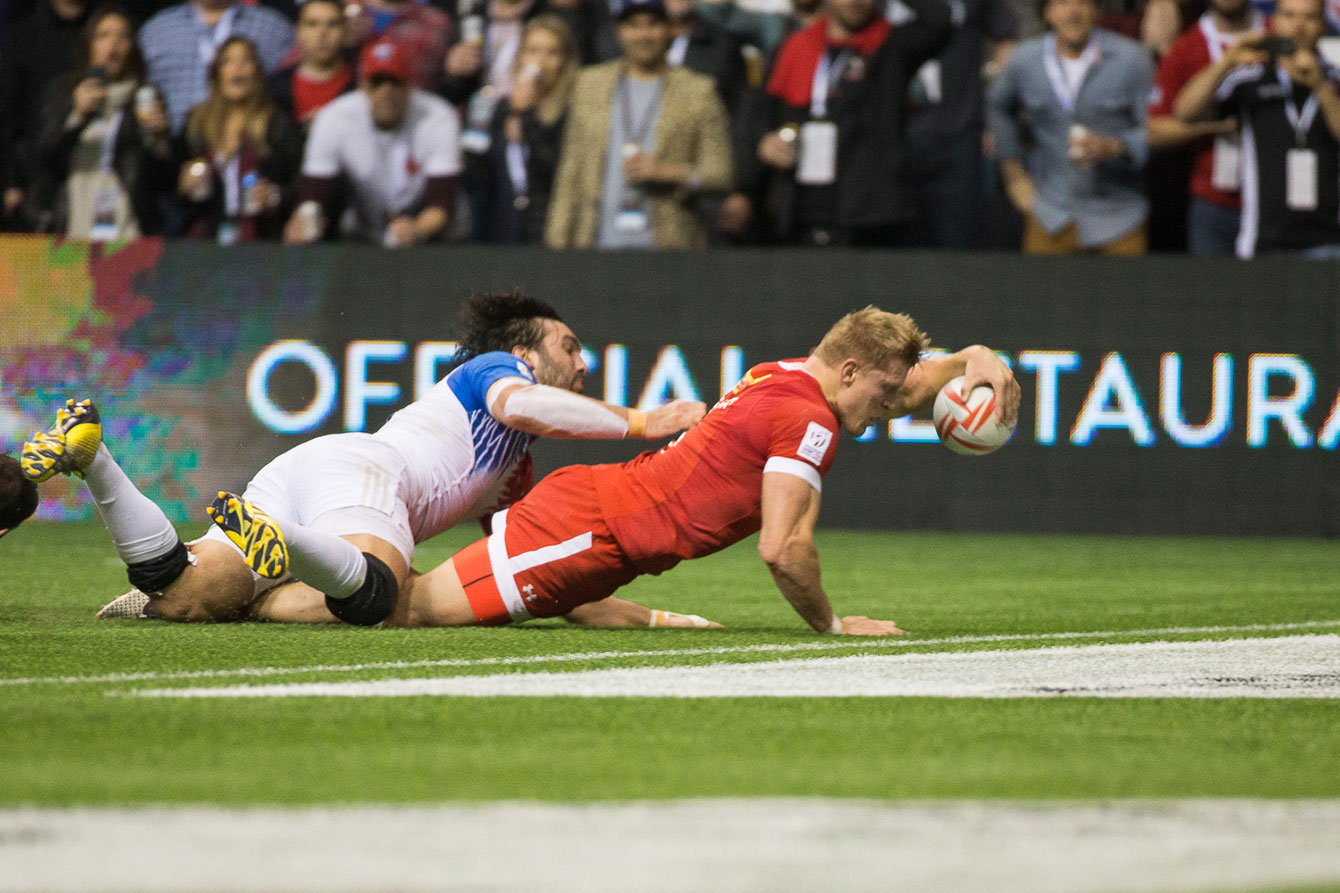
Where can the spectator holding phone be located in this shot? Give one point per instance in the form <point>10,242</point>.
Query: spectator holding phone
<point>527,133</point>
<point>1287,104</point>
<point>104,154</point>
<point>239,154</point>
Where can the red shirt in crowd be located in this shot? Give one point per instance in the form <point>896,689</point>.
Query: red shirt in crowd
<point>1194,49</point>
<point>311,96</point>
<point>702,492</point>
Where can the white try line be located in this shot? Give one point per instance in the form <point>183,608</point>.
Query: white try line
<point>1306,666</point>
<point>573,657</point>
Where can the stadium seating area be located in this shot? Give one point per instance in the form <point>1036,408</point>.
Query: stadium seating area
<point>398,122</point>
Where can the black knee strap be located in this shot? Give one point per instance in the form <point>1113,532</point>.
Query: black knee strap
<point>372,602</point>
<point>159,573</point>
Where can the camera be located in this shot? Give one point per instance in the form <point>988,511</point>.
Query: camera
<point>1279,46</point>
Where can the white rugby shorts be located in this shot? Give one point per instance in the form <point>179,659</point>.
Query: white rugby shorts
<point>340,484</point>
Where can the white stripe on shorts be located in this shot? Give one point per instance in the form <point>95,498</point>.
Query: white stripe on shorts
<point>505,569</point>
<point>502,571</point>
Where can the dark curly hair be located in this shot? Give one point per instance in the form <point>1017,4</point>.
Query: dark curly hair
<point>501,321</point>
<point>18,495</point>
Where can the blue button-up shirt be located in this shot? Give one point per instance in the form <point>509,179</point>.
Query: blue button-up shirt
<point>178,47</point>
<point>1107,201</point>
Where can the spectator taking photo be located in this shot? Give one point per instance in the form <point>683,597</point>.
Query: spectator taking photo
<point>103,153</point>
<point>1285,98</point>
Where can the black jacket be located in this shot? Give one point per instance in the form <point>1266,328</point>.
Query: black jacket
<point>145,167</point>
<point>504,222</point>
<point>37,49</point>
<point>869,113</point>
<point>280,166</point>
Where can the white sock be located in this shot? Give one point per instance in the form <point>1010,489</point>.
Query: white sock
<point>324,561</point>
<point>140,531</point>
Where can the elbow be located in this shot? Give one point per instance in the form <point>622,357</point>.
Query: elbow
<point>780,553</point>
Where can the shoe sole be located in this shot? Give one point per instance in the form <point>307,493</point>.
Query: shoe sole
<point>253,532</point>
<point>68,448</point>
<point>125,607</point>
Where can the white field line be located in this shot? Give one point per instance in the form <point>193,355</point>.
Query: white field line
<point>1306,666</point>
<point>827,645</point>
<point>727,846</point>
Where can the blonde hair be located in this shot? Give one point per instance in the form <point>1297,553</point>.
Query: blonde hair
<point>206,125</point>
<point>875,337</point>
<point>555,104</point>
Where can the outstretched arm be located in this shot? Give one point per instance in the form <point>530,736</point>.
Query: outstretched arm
<point>786,545</point>
<point>553,412</point>
<point>977,364</point>
<point>614,611</point>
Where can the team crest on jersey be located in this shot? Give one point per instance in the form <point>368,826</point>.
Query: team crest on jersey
<point>815,443</point>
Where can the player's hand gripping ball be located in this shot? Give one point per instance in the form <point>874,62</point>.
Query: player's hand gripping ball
<point>972,426</point>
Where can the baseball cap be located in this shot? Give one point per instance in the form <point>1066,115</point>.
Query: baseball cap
<point>386,58</point>
<point>655,7</point>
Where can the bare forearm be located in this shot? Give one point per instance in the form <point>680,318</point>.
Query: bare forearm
<point>1169,132</point>
<point>431,221</point>
<point>930,375</point>
<point>610,611</point>
<point>796,573</point>
<point>1196,101</point>
<point>553,412</point>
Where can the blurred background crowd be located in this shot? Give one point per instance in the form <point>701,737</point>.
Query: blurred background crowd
<point>1065,126</point>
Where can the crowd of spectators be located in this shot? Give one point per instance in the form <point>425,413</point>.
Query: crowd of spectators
<point>1055,127</point>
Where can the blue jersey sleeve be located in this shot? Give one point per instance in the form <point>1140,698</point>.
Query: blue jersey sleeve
<point>471,380</point>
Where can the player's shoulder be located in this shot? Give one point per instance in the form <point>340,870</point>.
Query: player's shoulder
<point>784,389</point>
<point>790,378</point>
<point>494,364</point>
<point>470,381</point>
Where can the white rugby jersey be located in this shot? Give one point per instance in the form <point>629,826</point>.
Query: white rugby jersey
<point>460,462</point>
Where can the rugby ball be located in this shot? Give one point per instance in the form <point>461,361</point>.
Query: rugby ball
<point>970,426</point>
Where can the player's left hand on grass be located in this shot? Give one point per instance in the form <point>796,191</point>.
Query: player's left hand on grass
<point>864,626</point>
<point>985,368</point>
<point>673,417</point>
<point>669,619</point>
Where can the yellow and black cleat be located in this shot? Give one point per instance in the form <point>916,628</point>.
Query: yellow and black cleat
<point>252,531</point>
<point>68,448</point>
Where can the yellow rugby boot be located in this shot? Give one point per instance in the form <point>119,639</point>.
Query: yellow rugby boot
<point>68,448</point>
<point>252,531</point>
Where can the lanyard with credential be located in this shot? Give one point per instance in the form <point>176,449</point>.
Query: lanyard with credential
<point>826,75</point>
<point>637,136</point>
<point>1066,93</point>
<point>108,149</point>
<point>1300,121</point>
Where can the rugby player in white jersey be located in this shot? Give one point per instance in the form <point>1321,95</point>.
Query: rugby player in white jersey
<point>352,506</point>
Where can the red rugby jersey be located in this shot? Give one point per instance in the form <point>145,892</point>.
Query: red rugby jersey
<point>703,491</point>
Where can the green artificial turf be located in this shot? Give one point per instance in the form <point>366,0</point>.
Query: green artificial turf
<point>80,741</point>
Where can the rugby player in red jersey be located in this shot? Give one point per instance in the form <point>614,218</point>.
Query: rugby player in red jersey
<point>754,463</point>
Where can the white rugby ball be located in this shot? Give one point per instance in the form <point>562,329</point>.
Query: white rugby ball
<point>972,426</point>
